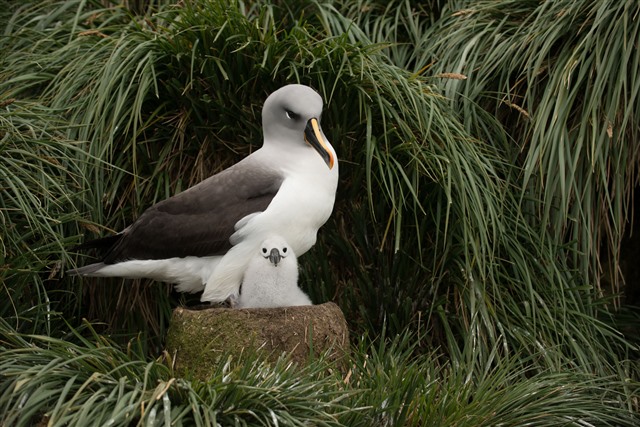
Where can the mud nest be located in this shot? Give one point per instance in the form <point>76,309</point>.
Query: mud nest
<point>198,339</point>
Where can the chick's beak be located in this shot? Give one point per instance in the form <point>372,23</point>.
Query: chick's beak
<point>275,257</point>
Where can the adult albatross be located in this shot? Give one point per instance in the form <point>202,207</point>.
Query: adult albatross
<point>204,237</point>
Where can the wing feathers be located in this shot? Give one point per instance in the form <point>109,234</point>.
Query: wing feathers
<point>198,221</point>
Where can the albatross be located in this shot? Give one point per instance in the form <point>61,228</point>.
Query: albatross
<point>204,237</point>
<point>271,278</point>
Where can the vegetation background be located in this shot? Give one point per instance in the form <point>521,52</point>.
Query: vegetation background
<point>481,244</point>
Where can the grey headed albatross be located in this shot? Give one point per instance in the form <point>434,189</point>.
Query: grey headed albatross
<point>204,237</point>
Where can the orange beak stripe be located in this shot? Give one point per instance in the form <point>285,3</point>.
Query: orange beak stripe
<point>313,136</point>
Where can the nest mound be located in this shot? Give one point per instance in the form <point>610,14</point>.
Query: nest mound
<point>198,338</point>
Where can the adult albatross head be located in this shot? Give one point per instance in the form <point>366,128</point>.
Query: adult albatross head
<point>295,110</point>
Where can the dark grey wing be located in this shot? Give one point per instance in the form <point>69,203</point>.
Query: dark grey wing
<point>200,220</point>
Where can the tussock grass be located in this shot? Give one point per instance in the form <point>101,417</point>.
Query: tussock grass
<point>92,381</point>
<point>470,211</point>
<point>39,206</point>
<point>563,77</point>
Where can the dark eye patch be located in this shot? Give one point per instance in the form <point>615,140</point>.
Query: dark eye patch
<point>290,114</point>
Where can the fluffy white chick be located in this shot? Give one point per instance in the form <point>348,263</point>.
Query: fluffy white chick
<point>271,278</point>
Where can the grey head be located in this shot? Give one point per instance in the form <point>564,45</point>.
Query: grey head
<point>292,114</point>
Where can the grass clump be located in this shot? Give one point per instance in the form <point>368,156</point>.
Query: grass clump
<point>482,185</point>
<point>89,380</point>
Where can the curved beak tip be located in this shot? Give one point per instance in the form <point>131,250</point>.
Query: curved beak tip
<point>313,136</point>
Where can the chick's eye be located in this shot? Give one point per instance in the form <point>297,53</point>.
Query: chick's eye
<point>264,250</point>
<point>290,114</point>
<point>284,250</point>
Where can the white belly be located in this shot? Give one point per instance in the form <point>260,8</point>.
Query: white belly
<point>296,213</point>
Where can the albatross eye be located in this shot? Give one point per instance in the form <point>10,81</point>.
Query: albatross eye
<point>264,250</point>
<point>291,115</point>
<point>284,250</point>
